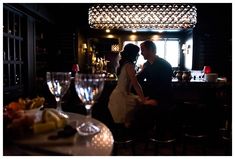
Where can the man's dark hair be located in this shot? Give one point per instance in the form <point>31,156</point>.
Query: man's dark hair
<point>150,45</point>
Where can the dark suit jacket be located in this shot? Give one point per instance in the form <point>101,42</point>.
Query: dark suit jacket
<point>155,80</point>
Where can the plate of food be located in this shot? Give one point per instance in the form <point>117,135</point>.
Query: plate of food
<point>24,107</point>
<point>26,116</point>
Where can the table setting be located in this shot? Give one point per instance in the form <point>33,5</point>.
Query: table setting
<point>50,131</point>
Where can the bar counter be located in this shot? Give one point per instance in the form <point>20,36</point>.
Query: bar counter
<point>213,94</point>
<point>200,90</point>
<point>194,90</point>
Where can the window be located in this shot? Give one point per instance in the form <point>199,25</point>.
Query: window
<point>12,50</point>
<point>171,52</point>
<point>167,49</point>
<point>14,54</point>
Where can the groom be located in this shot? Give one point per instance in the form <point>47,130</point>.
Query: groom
<point>155,79</point>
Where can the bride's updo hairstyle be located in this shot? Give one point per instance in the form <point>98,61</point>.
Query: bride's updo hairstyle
<point>128,54</point>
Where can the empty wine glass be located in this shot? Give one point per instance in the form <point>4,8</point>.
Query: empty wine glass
<point>58,84</point>
<point>88,88</point>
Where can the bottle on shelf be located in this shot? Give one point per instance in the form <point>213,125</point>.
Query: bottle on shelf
<point>75,69</point>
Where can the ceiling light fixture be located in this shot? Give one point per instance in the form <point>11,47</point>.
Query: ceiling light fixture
<point>142,16</point>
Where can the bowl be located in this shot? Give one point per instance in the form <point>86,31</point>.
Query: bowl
<point>211,77</point>
<point>31,112</point>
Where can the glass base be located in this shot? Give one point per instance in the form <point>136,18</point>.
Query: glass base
<point>87,128</point>
<point>62,113</point>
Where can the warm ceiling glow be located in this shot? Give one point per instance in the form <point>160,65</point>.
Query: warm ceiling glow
<point>107,31</point>
<point>142,16</point>
<point>110,36</point>
<point>133,31</point>
<point>155,37</point>
<point>132,37</point>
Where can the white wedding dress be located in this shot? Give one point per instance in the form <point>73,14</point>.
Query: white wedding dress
<point>121,101</point>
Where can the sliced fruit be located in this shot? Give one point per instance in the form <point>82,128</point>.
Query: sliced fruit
<point>44,127</point>
<point>53,115</point>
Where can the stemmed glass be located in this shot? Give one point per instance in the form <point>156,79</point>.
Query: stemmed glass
<point>58,84</point>
<point>88,88</point>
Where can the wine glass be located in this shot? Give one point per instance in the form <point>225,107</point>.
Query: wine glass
<point>88,88</point>
<point>58,84</point>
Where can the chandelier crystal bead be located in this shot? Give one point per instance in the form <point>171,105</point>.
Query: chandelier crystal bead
<point>148,16</point>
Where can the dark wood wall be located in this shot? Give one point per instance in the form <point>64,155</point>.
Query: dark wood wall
<point>213,38</point>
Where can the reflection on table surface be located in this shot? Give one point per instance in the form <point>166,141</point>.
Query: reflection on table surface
<point>96,145</point>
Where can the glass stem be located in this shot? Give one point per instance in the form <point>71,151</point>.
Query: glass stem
<point>89,111</point>
<point>58,104</point>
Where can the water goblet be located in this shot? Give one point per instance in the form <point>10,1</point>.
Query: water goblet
<point>58,84</point>
<point>88,88</point>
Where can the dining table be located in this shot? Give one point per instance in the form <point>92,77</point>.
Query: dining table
<point>100,144</point>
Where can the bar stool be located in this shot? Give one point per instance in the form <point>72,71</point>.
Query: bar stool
<point>122,137</point>
<point>227,141</point>
<point>160,141</point>
<point>194,126</point>
<point>197,138</point>
<point>164,133</point>
<point>226,131</point>
<point>224,100</point>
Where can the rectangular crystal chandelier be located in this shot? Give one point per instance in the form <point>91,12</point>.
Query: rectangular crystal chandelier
<point>142,16</point>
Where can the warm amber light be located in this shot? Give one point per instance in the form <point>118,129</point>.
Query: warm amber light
<point>110,36</point>
<point>155,37</point>
<point>84,46</point>
<point>132,37</point>
<point>115,48</point>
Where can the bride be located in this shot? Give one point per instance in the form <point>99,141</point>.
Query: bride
<point>121,100</point>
